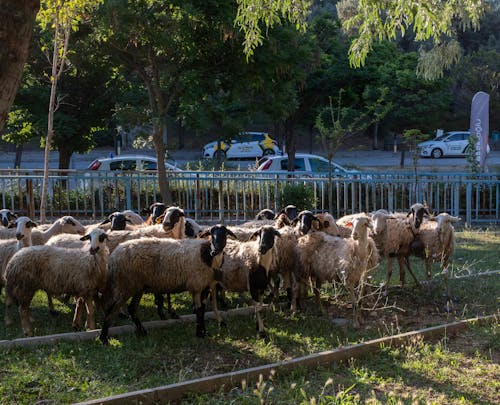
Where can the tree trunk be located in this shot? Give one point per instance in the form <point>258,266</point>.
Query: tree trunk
<point>17,18</point>
<point>375,135</point>
<point>64,156</point>
<point>162,172</point>
<point>19,154</point>
<point>290,144</point>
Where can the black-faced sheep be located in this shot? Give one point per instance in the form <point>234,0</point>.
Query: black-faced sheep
<point>8,217</point>
<point>154,211</point>
<point>46,268</point>
<point>247,266</point>
<point>266,213</point>
<point>161,266</point>
<point>326,258</point>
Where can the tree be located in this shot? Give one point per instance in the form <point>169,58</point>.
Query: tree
<point>63,16</point>
<point>20,129</point>
<point>17,19</point>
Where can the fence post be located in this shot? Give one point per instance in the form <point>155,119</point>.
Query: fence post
<point>468,205</point>
<point>221,203</point>
<point>31,200</point>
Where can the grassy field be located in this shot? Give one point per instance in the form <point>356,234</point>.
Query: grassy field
<point>463,369</point>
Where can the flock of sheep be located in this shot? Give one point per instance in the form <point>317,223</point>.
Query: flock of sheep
<point>105,265</point>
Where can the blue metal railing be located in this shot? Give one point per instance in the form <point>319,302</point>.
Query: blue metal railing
<point>238,195</point>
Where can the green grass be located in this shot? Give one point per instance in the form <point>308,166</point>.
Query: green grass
<point>71,372</point>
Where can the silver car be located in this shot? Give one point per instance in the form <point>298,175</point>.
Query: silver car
<point>128,162</point>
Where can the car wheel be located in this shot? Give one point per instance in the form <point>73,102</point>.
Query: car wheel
<point>219,155</point>
<point>268,152</point>
<point>436,153</point>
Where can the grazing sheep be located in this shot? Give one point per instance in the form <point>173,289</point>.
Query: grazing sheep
<point>46,268</point>
<point>247,267</point>
<point>435,242</point>
<point>326,258</point>
<point>161,266</point>
<point>394,234</point>
<point>8,217</point>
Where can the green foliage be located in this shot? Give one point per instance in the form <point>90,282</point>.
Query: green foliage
<point>377,21</point>
<point>252,12</point>
<point>19,126</point>
<point>471,155</point>
<point>299,195</point>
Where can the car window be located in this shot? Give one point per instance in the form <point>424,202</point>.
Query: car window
<point>148,165</point>
<point>318,165</point>
<point>299,164</point>
<point>455,137</point>
<point>257,137</point>
<point>122,165</point>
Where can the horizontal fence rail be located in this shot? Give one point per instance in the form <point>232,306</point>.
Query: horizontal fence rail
<point>233,196</point>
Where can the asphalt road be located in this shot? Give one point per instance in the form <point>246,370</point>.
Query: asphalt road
<point>362,159</point>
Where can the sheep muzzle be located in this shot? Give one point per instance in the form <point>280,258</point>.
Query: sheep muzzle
<point>19,236</point>
<point>94,250</point>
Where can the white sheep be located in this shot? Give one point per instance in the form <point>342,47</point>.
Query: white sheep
<point>81,273</point>
<point>247,267</point>
<point>393,234</point>
<point>326,258</point>
<point>161,266</point>
<point>435,241</point>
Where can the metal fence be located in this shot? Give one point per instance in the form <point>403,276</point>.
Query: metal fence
<point>238,196</point>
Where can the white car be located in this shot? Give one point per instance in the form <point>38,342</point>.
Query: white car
<point>248,145</point>
<point>306,165</point>
<point>129,162</point>
<point>454,143</point>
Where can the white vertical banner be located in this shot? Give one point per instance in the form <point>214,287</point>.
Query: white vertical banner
<point>479,125</point>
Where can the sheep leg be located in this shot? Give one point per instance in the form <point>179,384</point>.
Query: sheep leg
<point>402,272</point>
<point>25,314</point>
<point>109,313</point>
<point>389,273</point>
<point>258,313</point>
<point>8,304</point>
<point>200,315</point>
<point>355,312</point>
<point>159,300</point>
<point>213,298</point>
<point>406,262</point>
<point>77,316</point>
<point>132,310</point>
<point>50,303</point>
<point>89,306</point>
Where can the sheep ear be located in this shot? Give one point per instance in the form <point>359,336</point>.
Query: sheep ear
<point>106,221</point>
<point>294,222</point>
<point>277,233</point>
<point>349,224</point>
<point>128,220</point>
<point>70,221</point>
<point>203,234</point>
<point>86,237</point>
<point>230,233</point>
<point>31,224</point>
<point>254,235</point>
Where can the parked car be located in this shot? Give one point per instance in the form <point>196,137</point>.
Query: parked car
<point>246,145</point>
<point>454,143</point>
<point>306,165</point>
<point>128,162</point>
